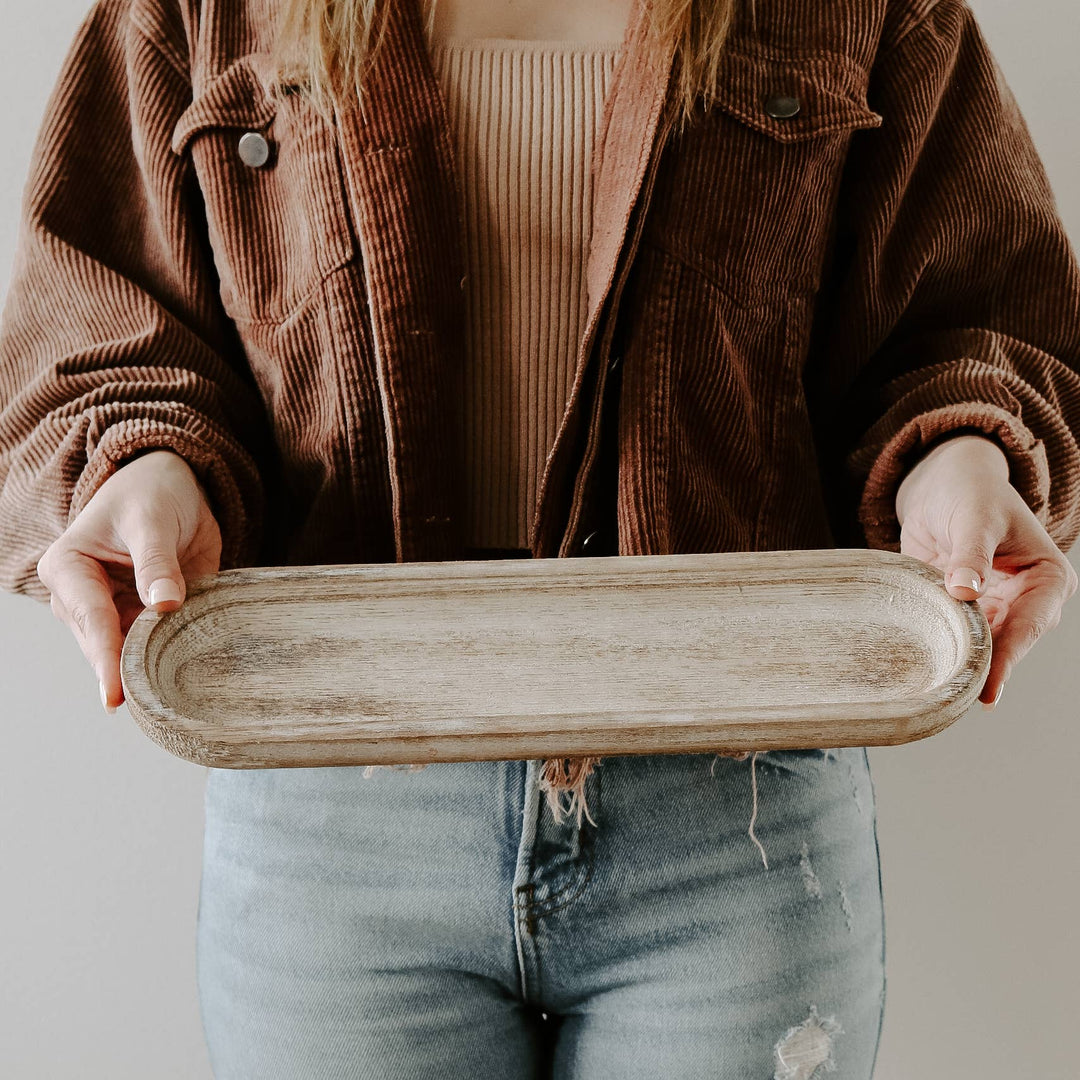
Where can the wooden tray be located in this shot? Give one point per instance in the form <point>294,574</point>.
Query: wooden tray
<point>516,658</point>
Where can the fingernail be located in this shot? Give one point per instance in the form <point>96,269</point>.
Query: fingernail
<point>967,577</point>
<point>997,698</point>
<point>104,701</point>
<point>163,589</point>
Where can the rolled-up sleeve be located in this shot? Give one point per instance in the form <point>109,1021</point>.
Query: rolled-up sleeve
<point>112,336</point>
<point>956,304</point>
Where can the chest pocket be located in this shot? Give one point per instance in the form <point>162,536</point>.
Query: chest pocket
<point>746,193</point>
<point>826,91</point>
<point>271,177</point>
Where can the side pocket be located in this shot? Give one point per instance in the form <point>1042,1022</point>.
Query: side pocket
<point>702,369</point>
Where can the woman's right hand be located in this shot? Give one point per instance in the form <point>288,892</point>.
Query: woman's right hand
<point>146,530</point>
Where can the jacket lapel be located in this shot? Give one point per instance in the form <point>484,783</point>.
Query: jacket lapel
<point>627,148</point>
<point>623,149</point>
<point>402,178</point>
<point>398,163</point>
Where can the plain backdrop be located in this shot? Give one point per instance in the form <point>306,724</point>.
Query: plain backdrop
<point>102,830</point>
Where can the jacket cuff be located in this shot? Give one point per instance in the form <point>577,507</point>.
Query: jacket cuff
<point>234,491</point>
<point>1029,472</point>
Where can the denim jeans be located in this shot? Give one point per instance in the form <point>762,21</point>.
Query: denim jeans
<point>440,923</point>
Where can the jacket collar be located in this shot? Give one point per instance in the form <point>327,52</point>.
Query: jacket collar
<point>625,145</point>
<point>403,182</point>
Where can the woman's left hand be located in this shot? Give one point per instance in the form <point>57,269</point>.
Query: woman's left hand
<point>958,512</point>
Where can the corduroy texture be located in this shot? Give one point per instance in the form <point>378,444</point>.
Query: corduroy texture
<point>523,116</point>
<point>801,305</point>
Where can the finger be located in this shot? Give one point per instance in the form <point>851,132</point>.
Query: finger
<point>82,598</point>
<point>1030,615</point>
<point>996,678</point>
<point>130,608</point>
<point>110,705</point>
<point>973,543</point>
<point>159,580</point>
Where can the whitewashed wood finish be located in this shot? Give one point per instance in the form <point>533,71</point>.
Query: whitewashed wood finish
<point>516,658</point>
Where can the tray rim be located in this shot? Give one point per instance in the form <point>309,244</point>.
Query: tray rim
<point>687,730</point>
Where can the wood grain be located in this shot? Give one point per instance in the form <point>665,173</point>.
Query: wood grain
<point>515,658</point>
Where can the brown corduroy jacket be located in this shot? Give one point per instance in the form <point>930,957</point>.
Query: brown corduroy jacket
<point>784,310</point>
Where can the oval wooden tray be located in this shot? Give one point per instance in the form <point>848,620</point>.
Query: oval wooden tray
<point>515,658</point>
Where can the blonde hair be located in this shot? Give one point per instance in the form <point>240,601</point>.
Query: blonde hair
<point>324,48</point>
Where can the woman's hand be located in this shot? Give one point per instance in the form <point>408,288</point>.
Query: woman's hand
<point>146,529</point>
<point>958,512</point>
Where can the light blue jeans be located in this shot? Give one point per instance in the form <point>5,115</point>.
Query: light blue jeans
<point>440,923</point>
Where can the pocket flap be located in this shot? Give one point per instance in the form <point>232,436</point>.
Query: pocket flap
<point>830,89</point>
<point>235,97</point>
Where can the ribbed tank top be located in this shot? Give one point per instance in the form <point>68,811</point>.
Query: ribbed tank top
<point>523,115</point>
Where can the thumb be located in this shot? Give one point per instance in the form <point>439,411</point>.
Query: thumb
<point>970,561</point>
<point>158,577</point>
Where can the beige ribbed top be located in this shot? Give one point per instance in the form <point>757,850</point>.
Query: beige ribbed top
<point>524,115</point>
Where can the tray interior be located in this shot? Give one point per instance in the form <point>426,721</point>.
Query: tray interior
<point>445,652</point>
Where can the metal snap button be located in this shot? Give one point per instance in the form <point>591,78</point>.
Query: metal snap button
<point>598,542</point>
<point>782,106</point>
<point>254,149</point>
<point>589,540</point>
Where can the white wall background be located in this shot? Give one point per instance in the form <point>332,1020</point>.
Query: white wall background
<point>102,830</point>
